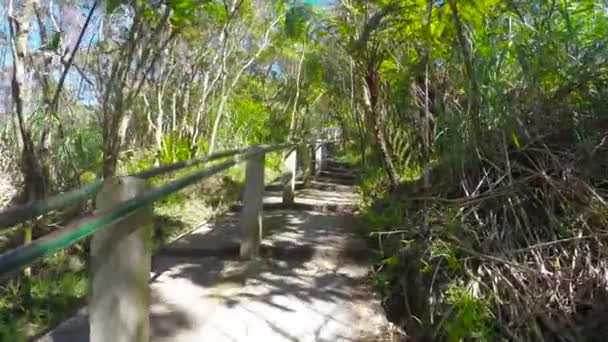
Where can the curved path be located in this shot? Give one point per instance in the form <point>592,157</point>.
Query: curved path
<point>309,285</point>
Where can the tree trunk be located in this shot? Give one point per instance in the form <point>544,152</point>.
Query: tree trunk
<point>292,124</point>
<point>473,105</point>
<point>375,123</point>
<point>35,182</point>
<point>196,127</point>
<point>174,112</point>
<point>110,153</point>
<point>218,117</point>
<point>111,136</point>
<point>228,87</point>
<point>359,125</point>
<point>125,122</point>
<point>423,83</point>
<point>158,134</point>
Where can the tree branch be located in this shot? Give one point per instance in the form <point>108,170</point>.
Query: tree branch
<point>66,69</point>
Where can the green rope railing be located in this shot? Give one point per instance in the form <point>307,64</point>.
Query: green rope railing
<point>20,257</point>
<point>13,216</point>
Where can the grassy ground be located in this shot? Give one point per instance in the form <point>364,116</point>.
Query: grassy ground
<point>58,285</point>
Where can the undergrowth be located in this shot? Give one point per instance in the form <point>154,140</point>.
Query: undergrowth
<point>495,251</point>
<point>56,288</point>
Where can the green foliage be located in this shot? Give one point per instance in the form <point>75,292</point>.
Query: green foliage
<point>442,249</point>
<point>372,184</point>
<point>53,45</point>
<point>81,148</point>
<point>134,162</point>
<point>296,20</point>
<point>78,150</point>
<point>111,5</point>
<point>9,331</point>
<point>471,318</point>
<point>349,155</point>
<point>186,12</point>
<point>250,119</point>
<point>390,218</point>
<point>406,80</point>
<point>273,166</point>
<point>174,149</point>
<point>56,287</point>
<point>389,273</point>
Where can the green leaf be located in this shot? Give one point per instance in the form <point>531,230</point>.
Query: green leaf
<point>515,141</point>
<point>111,5</point>
<point>391,261</point>
<point>182,4</point>
<point>54,43</point>
<point>296,19</point>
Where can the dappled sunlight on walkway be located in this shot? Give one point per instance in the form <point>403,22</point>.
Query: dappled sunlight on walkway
<point>310,283</point>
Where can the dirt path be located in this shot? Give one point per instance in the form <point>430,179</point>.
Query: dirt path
<point>309,285</point>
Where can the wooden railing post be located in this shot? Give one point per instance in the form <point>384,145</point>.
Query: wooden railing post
<point>120,268</point>
<point>251,216</point>
<point>319,158</point>
<point>289,176</point>
<point>306,159</point>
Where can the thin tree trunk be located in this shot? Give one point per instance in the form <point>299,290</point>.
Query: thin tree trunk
<point>426,115</point>
<point>292,124</point>
<point>376,122</point>
<point>354,113</point>
<point>35,185</point>
<point>158,134</point>
<point>174,112</point>
<point>427,131</point>
<point>218,117</point>
<point>124,126</point>
<point>20,26</point>
<point>473,104</point>
<point>185,107</point>
<point>227,90</point>
<point>221,74</point>
<point>199,115</point>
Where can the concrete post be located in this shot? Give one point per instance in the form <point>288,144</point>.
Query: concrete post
<point>120,268</point>
<point>289,176</point>
<point>251,216</point>
<point>319,158</point>
<point>306,159</point>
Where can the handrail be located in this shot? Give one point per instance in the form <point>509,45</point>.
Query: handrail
<point>12,216</point>
<point>151,173</point>
<point>20,257</point>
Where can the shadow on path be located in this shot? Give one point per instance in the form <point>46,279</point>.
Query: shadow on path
<point>309,283</point>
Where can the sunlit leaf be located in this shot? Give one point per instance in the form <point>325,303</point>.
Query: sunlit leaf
<point>515,141</point>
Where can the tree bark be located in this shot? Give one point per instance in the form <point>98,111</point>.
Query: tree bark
<point>35,181</point>
<point>133,63</point>
<point>218,117</point>
<point>158,134</point>
<point>376,121</point>
<point>292,124</point>
<point>34,178</point>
